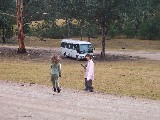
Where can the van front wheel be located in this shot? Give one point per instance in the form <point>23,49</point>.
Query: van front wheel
<point>77,58</point>
<point>65,55</point>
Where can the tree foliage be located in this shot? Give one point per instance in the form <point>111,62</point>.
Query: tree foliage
<point>7,18</point>
<point>133,18</point>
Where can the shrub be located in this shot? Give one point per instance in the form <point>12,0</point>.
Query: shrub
<point>113,31</point>
<point>150,29</point>
<point>129,31</point>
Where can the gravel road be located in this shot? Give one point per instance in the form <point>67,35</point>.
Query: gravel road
<point>149,55</point>
<point>153,55</point>
<point>23,101</point>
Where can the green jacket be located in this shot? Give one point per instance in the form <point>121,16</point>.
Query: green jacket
<point>56,69</point>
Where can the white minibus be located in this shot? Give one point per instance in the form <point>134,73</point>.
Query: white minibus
<point>75,48</point>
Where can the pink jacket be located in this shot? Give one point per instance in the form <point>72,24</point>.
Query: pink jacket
<point>89,71</point>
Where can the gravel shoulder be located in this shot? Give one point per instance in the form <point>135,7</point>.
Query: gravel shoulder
<point>23,101</point>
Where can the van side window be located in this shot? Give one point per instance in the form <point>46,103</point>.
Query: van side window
<point>71,46</point>
<point>67,45</point>
<point>77,47</point>
<point>63,44</point>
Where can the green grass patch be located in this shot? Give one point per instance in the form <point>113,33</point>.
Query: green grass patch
<point>24,71</point>
<point>127,78</point>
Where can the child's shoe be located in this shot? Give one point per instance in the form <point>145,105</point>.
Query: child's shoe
<point>85,89</point>
<point>91,90</point>
<point>54,89</point>
<point>58,90</point>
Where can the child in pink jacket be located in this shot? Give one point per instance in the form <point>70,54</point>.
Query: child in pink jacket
<point>89,73</point>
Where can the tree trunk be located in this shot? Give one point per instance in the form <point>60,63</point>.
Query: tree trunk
<point>19,8</point>
<point>89,38</point>
<point>12,31</point>
<point>69,28</point>
<point>103,40</point>
<point>81,32</point>
<point>3,35</point>
<point>81,27</point>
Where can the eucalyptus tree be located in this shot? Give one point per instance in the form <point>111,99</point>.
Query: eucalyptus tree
<point>132,12</point>
<point>153,21</point>
<point>156,8</point>
<point>65,9</point>
<point>104,12</point>
<point>138,12</point>
<point>144,18</point>
<point>36,10</point>
<point>44,11</point>
<point>19,13</point>
<point>79,13</point>
<point>7,18</point>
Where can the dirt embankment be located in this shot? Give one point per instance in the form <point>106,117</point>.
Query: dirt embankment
<point>21,101</point>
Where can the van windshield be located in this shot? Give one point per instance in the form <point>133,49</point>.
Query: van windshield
<point>86,48</point>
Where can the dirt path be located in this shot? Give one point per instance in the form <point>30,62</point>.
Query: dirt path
<point>46,52</point>
<point>141,54</point>
<point>21,101</point>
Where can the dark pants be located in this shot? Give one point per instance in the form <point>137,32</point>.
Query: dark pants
<point>88,85</point>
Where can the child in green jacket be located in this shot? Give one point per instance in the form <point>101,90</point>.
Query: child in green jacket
<point>55,73</point>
